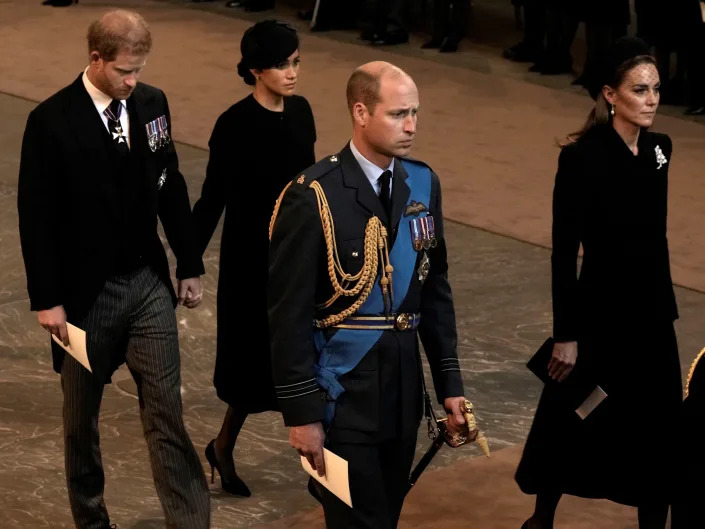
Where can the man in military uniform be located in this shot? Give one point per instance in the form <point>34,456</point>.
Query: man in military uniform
<point>687,510</point>
<point>357,268</point>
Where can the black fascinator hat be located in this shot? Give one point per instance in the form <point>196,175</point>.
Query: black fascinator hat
<point>265,45</point>
<point>623,50</point>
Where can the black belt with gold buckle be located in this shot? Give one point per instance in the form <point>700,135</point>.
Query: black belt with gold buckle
<point>406,321</point>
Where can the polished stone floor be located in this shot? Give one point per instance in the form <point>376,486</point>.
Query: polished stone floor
<point>501,288</point>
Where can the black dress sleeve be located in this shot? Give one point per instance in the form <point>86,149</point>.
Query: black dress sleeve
<point>209,207</point>
<point>310,127</point>
<point>568,218</point>
<point>437,330</point>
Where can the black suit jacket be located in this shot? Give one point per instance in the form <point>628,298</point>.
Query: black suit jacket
<point>383,393</point>
<point>74,197</point>
<point>688,511</point>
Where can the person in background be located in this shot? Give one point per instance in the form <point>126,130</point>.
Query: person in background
<point>450,18</point>
<point>257,146</point>
<point>388,23</point>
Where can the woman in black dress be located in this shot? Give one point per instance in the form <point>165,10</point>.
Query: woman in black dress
<point>611,196</point>
<point>258,145</point>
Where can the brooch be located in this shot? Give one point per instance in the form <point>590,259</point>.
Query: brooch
<point>660,158</point>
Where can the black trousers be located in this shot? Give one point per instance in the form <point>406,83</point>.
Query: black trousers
<point>133,315</point>
<point>389,15</point>
<point>695,57</point>
<point>599,38</point>
<point>379,478</point>
<point>450,18</point>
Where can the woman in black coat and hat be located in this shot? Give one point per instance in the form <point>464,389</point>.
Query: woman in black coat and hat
<point>257,146</point>
<point>610,196</point>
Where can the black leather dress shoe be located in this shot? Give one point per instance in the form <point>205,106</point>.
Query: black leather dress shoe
<point>695,111</point>
<point>59,3</point>
<point>369,34</point>
<point>390,38</point>
<point>257,6</point>
<point>582,80</point>
<point>553,67</point>
<point>450,45</point>
<point>521,53</point>
<point>305,14</point>
<point>435,42</point>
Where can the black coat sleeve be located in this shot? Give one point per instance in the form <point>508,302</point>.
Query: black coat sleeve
<point>175,214</point>
<point>295,250</point>
<point>209,208</point>
<point>437,330</point>
<point>312,128</point>
<point>39,193</point>
<point>568,219</point>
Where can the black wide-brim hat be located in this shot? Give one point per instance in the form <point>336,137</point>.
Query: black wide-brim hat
<point>623,50</point>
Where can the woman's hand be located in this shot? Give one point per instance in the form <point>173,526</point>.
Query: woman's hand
<point>563,360</point>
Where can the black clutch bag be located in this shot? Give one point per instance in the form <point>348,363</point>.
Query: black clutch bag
<point>579,390</point>
<point>538,364</point>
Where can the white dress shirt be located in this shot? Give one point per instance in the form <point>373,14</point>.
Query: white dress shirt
<point>372,172</point>
<point>102,101</point>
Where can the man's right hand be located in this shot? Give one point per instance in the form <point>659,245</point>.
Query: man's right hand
<point>308,442</point>
<point>54,321</point>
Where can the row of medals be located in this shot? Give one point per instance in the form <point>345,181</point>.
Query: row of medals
<point>423,237</point>
<point>157,133</point>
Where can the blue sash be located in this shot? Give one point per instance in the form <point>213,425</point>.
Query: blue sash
<point>347,347</point>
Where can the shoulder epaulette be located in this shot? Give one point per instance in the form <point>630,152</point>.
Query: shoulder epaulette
<point>318,170</point>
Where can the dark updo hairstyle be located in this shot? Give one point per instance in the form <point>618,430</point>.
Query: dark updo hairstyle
<point>626,54</point>
<point>265,45</point>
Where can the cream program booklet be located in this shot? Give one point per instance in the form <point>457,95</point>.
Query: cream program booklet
<point>336,478</point>
<point>77,345</point>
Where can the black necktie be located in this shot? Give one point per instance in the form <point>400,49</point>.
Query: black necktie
<point>115,128</point>
<point>385,195</point>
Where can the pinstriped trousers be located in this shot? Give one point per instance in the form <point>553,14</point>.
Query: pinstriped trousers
<point>133,315</point>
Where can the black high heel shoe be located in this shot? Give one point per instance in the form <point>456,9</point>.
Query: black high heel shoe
<point>233,485</point>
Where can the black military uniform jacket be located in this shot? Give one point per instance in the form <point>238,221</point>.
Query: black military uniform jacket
<point>383,393</point>
<point>83,209</point>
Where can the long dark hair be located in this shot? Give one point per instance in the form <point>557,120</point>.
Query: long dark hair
<point>600,114</point>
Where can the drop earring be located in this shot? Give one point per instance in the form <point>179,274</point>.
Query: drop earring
<point>612,110</point>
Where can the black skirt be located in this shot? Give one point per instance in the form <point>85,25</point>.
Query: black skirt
<point>625,450</point>
<point>243,366</point>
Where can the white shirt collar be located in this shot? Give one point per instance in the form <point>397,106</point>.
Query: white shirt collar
<point>100,99</point>
<point>372,172</point>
